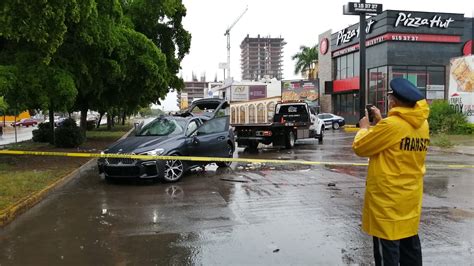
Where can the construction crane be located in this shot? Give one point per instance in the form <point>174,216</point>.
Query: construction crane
<point>227,33</point>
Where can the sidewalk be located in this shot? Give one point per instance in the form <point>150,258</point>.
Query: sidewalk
<point>460,149</point>
<point>467,150</point>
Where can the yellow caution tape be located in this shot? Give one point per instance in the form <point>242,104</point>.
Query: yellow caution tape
<point>202,159</point>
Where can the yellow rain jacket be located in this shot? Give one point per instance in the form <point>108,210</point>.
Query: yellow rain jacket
<point>397,148</point>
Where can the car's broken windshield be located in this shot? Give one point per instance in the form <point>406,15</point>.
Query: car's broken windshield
<point>162,127</point>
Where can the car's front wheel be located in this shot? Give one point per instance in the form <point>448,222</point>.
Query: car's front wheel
<point>173,170</point>
<point>335,125</point>
<point>321,136</point>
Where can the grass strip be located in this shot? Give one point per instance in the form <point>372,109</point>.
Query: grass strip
<point>15,185</point>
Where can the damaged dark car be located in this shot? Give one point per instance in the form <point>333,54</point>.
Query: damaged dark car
<point>202,130</point>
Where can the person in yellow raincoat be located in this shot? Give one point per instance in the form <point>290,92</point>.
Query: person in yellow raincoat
<point>396,147</point>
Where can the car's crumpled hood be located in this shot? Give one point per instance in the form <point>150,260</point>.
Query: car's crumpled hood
<point>139,144</point>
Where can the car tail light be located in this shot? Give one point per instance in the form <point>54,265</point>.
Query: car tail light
<point>282,120</point>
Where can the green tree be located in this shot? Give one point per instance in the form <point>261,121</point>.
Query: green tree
<point>112,56</point>
<point>306,61</point>
<point>40,25</point>
<point>161,22</point>
<point>30,34</point>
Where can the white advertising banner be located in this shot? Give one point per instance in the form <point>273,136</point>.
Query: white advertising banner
<point>239,93</point>
<point>461,85</point>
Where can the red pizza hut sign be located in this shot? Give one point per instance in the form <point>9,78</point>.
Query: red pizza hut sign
<point>345,35</point>
<point>407,20</point>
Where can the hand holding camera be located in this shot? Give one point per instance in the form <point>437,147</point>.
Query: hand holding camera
<point>370,115</point>
<point>373,113</point>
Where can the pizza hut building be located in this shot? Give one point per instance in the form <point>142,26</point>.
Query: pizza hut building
<point>414,45</point>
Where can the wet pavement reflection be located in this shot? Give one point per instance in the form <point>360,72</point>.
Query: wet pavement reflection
<point>248,214</point>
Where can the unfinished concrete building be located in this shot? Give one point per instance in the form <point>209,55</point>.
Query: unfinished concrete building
<point>262,57</point>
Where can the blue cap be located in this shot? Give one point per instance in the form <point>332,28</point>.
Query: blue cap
<point>405,90</point>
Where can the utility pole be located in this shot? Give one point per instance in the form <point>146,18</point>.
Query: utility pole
<point>362,89</point>
<point>227,33</point>
<point>362,9</point>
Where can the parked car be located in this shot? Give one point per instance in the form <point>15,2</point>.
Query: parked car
<point>25,122</point>
<point>58,122</point>
<point>332,120</point>
<point>187,134</point>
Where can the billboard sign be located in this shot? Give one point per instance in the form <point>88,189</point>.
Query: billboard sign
<point>461,85</point>
<point>239,93</point>
<point>301,90</point>
<point>257,92</point>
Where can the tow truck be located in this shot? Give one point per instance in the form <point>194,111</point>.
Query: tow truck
<point>291,121</point>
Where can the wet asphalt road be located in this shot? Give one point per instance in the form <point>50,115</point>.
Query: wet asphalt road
<point>265,215</point>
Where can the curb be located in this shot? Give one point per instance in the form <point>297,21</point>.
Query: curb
<point>10,213</point>
<point>21,206</point>
<point>351,129</point>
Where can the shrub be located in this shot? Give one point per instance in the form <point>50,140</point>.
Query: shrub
<point>444,119</point>
<point>68,135</point>
<point>43,133</point>
<point>442,140</point>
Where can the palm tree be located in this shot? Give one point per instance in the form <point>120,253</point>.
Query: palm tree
<point>306,61</point>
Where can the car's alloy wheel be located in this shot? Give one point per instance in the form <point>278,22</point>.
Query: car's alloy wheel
<point>321,136</point>
<point>174,170</point>
<point>230,155</point>
<point>335,125</point>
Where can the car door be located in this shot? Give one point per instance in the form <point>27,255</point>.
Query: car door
<point>211,139</point>
<point>327,120</point>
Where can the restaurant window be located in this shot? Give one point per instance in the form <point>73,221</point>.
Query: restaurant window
<point>346,104</point>
<point>261,113</point>
<point>252,113</point>
<point>435,84</point>
<point>381,93</point>
<point>372,85</point>
<point>343,67</point>
<point>398,72</point>
<point>417,76</point>
<point>429,80</point>
<point>338,68</point>
<point>350,104</point>
<point>270,111</point>
<point>242,115</point>
<point>356,64</point>
<point>350,65</point>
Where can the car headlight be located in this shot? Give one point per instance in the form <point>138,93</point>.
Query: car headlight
<point>154,152</point>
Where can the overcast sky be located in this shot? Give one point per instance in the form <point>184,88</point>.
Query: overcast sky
<point>299,22</point>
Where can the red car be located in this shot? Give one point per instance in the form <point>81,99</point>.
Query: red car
<point>26,122</point>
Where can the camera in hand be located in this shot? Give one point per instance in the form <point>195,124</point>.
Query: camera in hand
<point>369,111</point>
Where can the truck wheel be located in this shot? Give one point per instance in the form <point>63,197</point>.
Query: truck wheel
<point>252,145</point>
<point>321,136</point>
<point>335,125</point>
<point>290,140</point>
